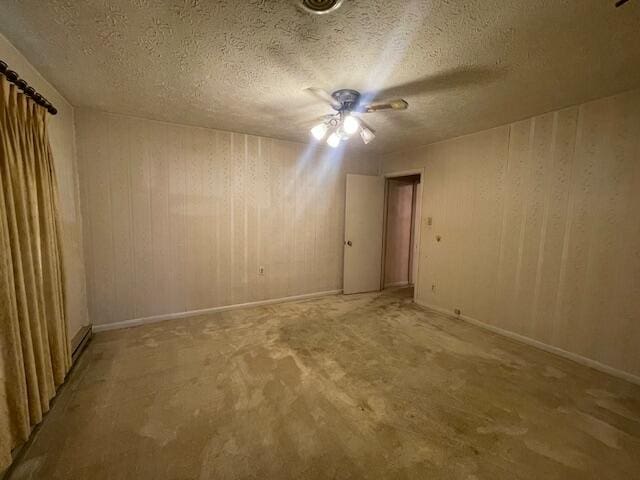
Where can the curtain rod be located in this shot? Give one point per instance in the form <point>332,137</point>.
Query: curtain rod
<point>14,78</point>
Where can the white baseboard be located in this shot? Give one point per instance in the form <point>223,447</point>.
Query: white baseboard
<point>396,284</point>
<point>172,316</point>
<point>538,344</point>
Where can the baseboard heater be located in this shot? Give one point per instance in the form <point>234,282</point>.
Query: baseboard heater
<point>77,346</point>
<point>79,342</point>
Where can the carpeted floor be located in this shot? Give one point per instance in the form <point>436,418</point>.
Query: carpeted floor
<point>342,387</point>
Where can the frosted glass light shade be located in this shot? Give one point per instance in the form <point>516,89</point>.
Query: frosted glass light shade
<point>350,125</point>
<point>334,140</point>
<point>319,131</point>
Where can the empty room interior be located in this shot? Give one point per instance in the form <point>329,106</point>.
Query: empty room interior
<point>319,239</point>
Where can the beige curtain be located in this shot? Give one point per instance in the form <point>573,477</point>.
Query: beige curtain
<point>34,349</point>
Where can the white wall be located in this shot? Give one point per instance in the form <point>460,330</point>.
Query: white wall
<point>540,227</point>
<point>62,137</point>
<point>180,218</point>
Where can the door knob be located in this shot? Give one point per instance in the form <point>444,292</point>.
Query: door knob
<point>349,243</point>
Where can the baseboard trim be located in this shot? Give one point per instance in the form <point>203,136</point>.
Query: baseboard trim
<point>630,377</point>
<point>396,284</point>
<point>172,316</point>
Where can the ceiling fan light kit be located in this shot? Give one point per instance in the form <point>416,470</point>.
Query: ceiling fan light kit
<point>333,140</point>
<point>366,135</point>
<point>350,124</point>
<point>340,126</point>
<point>319,131</point>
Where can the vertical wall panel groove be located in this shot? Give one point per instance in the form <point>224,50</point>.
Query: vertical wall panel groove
<point>180,218</point>
<point>562,253</point>
<point>550,170</point>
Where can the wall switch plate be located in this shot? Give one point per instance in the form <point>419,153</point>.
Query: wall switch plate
<point>457,311</point>
<point>429,221</point>
<point>260,270</point>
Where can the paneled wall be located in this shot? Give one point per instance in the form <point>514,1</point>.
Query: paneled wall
<point>62,138</point>
<point>181,218</point>
<point>540,228</point>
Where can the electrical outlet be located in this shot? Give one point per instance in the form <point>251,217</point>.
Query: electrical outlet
<point>433,287</point>
<point>260,270</point>
<point>457,311</point>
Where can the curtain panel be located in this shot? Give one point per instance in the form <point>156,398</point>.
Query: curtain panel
<point>34,348</point>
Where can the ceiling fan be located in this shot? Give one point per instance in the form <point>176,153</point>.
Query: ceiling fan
<point>346,121</point>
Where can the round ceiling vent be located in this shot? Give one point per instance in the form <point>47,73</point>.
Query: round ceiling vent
<point>320,7</point>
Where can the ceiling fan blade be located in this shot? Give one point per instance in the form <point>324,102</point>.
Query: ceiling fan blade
<point>324,96</point>
<point>397,104</point>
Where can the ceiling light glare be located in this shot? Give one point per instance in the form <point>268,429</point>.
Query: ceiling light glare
<point>366,135</point>
<point>342,134</point>
<point>350,124</point>
<point>334,140</point>
<point>319,131</point>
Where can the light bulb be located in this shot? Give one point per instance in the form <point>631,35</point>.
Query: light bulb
<point>319,131</point>
<point>350,124</point>
<point>366,135</point>
<point>334,140</point>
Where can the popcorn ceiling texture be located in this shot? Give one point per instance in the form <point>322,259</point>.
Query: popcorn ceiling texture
<point>242,65</point>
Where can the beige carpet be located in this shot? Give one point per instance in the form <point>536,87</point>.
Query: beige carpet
<point>343,387</point>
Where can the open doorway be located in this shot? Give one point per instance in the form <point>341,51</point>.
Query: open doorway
<point>382,232</point>
<point>401,232</point>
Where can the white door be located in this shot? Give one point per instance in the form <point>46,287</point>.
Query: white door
<point>363,233</point>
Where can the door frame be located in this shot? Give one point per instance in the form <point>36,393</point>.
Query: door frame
<point>418,223</point>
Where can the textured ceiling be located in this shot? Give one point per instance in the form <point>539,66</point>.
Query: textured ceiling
<point>241,65</point>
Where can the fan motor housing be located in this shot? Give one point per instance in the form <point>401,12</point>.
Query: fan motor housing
<point>320,7</point>
<point>348,98</point>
